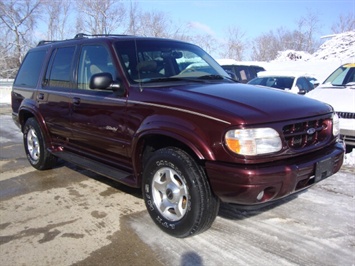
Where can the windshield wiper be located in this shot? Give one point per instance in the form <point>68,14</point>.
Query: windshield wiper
<point>169,79</point>
<point>217,77</point>
<point>212,76</point>
<point>350,84</point>
<point>201,79</point>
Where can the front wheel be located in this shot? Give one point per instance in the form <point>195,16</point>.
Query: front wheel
<point>35,147</point>
<point>177,193</point>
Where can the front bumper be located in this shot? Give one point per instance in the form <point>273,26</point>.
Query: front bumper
<point>261,183</point>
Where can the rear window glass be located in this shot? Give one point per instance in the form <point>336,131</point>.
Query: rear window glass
<point>59,73</point>
<point>30,69</point>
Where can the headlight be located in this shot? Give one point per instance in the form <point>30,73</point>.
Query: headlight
<point>253,141</point>
<point>336,127</point>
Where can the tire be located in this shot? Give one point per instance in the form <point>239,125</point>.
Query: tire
<point>177,193</point>
<point>35,147</point>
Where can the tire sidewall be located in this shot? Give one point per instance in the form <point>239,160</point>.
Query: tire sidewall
<point>185,225</point>
<point>32,124</point>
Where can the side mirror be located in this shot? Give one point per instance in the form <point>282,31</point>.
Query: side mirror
<point>101,81</point>
<point>104,81</point>
<point>302,92</point>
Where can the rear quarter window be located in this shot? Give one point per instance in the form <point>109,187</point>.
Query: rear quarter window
<point>30,69</point>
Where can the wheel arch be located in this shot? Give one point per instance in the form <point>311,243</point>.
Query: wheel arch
<point>151,140</point>
<point>25,113</point>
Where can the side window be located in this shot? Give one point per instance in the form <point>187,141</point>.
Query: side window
<point>243,73</point>
<point>29,72</point>
<point>93,59</point>
<point>59,69</point>
<point>303,84</point>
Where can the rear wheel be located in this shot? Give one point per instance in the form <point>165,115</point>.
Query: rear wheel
<point>177,194</point>
<point>35,147</point>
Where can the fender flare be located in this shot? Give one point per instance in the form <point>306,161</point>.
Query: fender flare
<point>29,106</point>
<point>178,129</point>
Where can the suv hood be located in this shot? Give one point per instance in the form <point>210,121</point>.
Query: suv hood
<point>244,104</point>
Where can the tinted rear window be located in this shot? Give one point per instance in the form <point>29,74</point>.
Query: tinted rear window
<point>59,73</point>
<point>30,69</point>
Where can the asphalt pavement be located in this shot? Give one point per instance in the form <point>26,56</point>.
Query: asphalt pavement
<point>71,216</point>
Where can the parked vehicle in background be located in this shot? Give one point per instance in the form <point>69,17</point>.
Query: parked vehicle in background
<point>298,83</point>
<point>338,90</point>
<point>243,71</point>
<point>163,116</point>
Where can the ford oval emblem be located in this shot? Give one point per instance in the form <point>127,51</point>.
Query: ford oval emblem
<point>311,131</point>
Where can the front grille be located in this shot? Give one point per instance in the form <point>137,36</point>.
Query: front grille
<point>346,115</point>
<point>306,133</point>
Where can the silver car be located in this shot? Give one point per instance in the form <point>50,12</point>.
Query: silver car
<point>338,90</point>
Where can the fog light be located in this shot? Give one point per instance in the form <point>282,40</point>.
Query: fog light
<point>260,195</point>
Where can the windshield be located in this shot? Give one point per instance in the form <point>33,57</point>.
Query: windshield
<point>342,75</point>
<point>159,60</point>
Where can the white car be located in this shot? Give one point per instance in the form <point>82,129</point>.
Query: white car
<point>296,82</point>
<point>338,90</point>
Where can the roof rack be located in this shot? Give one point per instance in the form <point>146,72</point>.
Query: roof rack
<point>83,35</point>
<point>79,36</point>
<point>43,42</point>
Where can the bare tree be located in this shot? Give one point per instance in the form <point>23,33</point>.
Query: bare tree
<point>100,16</point>
<point>267,46</point>
<point>135,22</point>
<point>155,24</point>
<point>344,23</point>
<point>206,42</point>
<point>18,19</point>
<point>8,62</point>
<point>235,45</point>
<point>57,15</point>
<point>304,38</point>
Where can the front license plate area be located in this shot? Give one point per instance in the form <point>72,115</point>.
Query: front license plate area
<point>324,169</point>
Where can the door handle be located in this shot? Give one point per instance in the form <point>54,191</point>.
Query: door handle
<point>40,96</point>
<point>76,101</point>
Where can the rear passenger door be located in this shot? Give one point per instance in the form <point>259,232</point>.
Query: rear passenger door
<point>54,95</point>
<point>97,119</point>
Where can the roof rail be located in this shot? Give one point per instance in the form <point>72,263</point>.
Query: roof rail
<point>83,35</point>
<point>78,36</point>
<point>43,42</point>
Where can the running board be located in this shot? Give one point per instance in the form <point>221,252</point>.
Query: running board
<point>97,167</point>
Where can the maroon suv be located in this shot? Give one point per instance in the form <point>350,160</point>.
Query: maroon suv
<point>162,115</point>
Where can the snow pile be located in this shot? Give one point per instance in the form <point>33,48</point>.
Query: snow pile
<point>338,50</point>
<point>5,95</point>
<point>341,47</point>
<point>292,55</point>
<point>349,159</point>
